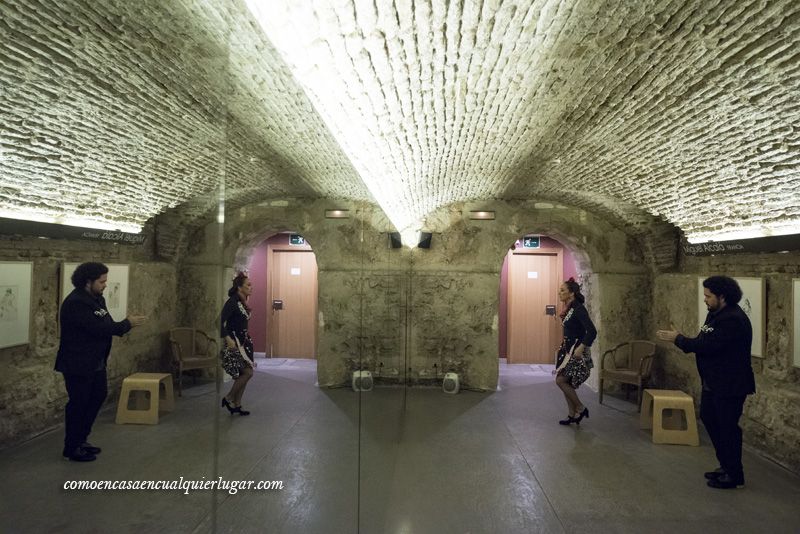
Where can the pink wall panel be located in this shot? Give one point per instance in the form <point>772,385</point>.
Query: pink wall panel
<point>257,269</point>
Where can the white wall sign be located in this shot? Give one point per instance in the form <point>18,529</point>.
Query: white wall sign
<point>295,271</point>
<point>533,274</point>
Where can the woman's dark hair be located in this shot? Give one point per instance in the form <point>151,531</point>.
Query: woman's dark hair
<point>724,286</point>
<point>87,272</point>
<point>238,281</point>
<point>575,288</point>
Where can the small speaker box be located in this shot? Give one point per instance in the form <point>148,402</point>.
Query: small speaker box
<point>451,383</point>
<point>362,381</point>
<point>425,240</point>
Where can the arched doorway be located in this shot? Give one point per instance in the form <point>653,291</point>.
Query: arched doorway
<point>284,299</point>
<point>533,269</point>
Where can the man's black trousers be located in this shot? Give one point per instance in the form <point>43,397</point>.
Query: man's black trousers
<point>720,415</point>
<point>86,396</point>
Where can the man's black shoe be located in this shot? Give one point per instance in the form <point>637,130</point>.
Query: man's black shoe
<point>80,455</point>
<point>725,481</point>
<point>91,449</point>
<point>716,473</point>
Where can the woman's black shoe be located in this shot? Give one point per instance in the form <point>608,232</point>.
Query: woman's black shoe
<point>584,413</point>
<point>226,404</point>
<point>241,411</point>
<point>567,421</point>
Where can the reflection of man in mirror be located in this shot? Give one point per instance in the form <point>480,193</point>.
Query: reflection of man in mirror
<point>8,303</point>
<point>86,333</point>
<point>723,361</point>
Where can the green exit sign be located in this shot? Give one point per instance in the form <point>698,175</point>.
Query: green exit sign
<point>297,239</point>
<point>531,241</point>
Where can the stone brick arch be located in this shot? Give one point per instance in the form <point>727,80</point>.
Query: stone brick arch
<point>343,249</point>
<point>246,246</point>
<point>614,264</point>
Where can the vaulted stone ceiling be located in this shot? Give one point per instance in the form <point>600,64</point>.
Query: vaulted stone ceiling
<point>684,111</point>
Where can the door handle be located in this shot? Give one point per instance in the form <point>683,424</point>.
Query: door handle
<point>277,304</point>
<point>550,309</point>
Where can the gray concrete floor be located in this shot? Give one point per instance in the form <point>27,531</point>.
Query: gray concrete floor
<point>392,460</point>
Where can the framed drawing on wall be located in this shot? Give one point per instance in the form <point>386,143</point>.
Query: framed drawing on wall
<point>116,292</point>
<point>15,302</point>
<point>796,320</point>
<point>753,303</point>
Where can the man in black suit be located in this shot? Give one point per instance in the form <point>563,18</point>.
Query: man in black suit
<point>86,332</point>
<point>723,351</point>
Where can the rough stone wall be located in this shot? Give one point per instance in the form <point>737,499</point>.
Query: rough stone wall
<point>619,307</point>
<point>32,394</point>
<point>454,326</point>
<point>767,422</point>
<point>157,101</point>
<point>618,107</point>
<point>398,312</point>
<point>615,107</point>
<point>114,93</point>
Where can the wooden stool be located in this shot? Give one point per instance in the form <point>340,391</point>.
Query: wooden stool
<point>667,429</point>
<point>137,384</point>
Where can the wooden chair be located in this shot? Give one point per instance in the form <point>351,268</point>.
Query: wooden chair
<point>192,349</point>
<point>630,363</point>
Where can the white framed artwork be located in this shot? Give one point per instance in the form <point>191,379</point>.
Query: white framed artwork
<point>753,303</point>
<point>116,292</point>
<point>15,302</point>
<point>796,321</point>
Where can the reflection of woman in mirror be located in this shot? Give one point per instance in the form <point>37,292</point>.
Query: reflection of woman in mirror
<point>237,352</point>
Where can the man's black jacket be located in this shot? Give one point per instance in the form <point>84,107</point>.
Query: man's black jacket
<point>723,352</point>
<point>86,332</point>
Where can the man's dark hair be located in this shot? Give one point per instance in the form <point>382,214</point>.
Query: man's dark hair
<point>724,286</point>
<point>87,272</point>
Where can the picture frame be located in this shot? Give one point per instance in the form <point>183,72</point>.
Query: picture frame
<point>116,292</point>
<point>15,302</point>
<point>796,321</point>
<point>753,303</point>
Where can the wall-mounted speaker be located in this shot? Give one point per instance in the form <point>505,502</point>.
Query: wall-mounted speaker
<point>425,240</point>
<point>394,240</point>
<point>362,381</point>
<point>451,383</point>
